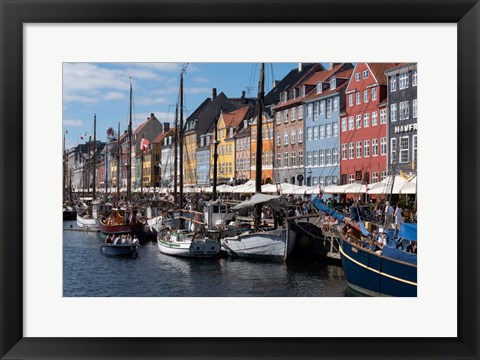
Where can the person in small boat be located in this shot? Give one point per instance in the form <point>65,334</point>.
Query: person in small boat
<point>381,240</point>
<point>109,239</point>
<point>118,240</point>
<point>135,240</point>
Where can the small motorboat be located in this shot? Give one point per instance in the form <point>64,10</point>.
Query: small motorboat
<point>128,250</point>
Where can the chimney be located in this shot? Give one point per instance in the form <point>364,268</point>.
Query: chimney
<point>152,115</point>
<point>166,127</point>
<point>243,94</point>
<point>275,83</point>
<point>299,67</point>
<point>214,93</point>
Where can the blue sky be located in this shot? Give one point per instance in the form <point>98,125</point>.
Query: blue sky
<point>103,88</point>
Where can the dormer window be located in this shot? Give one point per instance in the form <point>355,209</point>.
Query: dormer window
<point>302,91</point>
<point>285,96</point>
<point>333,83</point>
<point>294,93</point>
<point>319,88</point>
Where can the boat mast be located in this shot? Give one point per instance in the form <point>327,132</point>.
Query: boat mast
<point>182,223</point>
<point>175,154</point>
<point>258,162</point>
<point>129,160</point>
<point>118,163</point>
<point>94,151</point>
<point>215,158</point>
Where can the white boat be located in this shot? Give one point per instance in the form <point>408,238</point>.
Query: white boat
<point>274,244</point>
<point>182,243</point>
<point>89,217</point>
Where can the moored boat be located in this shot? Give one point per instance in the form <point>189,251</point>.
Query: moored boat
<point>183,244</point>
<point>118,222</point>
<point>389,271</point>
<point>129,250</point>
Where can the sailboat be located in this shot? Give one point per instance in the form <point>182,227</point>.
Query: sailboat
<point>261,242</point>
<point>122,221</point>
<point>180,241</point>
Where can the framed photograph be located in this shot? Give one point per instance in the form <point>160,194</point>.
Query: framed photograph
<point>45,314</point>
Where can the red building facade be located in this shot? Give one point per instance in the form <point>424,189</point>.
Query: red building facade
<point>363,129</point>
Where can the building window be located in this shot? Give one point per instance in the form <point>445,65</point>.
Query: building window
<point>309,158</point>
<point>374,177</point>
<point>293,136</point>
<point>365,96</point>
<point>293,159</point>
<point>335,129</point>
<point>366,120</point>
<point>414,149</point>
<point>285,138</point>
<point>393,83</point>
<point>383,175</point>
<point>404,149</point>
<point>344,151</point>
<point>414,108</point>
<point>393,150</point>
<point>383,116</point>
<point>374,147</point>
<point>350,123</point>
<point>315,180</point>
<point>319,88</point>
<point>294,113</point>
<point>253,134</point>
<point>357,76</point>
<point>322,158</point>
<point>414,78</point>
<point>333,83</point>
<point>383,146</point>
<point>300,157</point>
<point>344,124</point>
<point>302,91</point>
<point>285,159</point>
<point>351,150</point>
<point>315,132</point>
<point>335,104</point>
<point>253,159</point>
<point>300,112</point>
<point>315,111</point>
<point>322,107</point>
<point>359,149</point>
<point>309,110</point>
<point>300,135</point>
<point>357,98</point>
<point>393,112</point>
<point>404,110</point>
<point>374,93</point>
<point>334,180</point>
<point>335,156</point>
<point>270,128</point>
<point>358,120</point>
<point>329,108</point>
<point>279,141</point>
<point>279,160</point>
<point>309,134</point>
<point>328,130</point>
<point>350,99</point>
<point>366,148</point>
<point>365,74</point>
<point>403,81</point>
<point>374,118</point>
<point>351,178</point>
<point>278,117</point>
<point>285,116</point>
<point>328,156</point>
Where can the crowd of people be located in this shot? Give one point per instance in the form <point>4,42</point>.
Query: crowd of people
<point>125,239</point>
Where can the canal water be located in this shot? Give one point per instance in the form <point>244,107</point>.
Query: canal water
<point>88,273</point>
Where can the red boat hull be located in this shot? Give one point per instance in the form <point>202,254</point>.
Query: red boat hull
<point>114,229</point>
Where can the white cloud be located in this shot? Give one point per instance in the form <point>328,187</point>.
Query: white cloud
<point>201,80</point>
<point>197,90</point>
<point>114,95</point>
<point>162,116</point>
<point>145,100</point>
<point>73,122</point>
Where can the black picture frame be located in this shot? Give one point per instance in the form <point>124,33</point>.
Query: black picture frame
<point>465,13</point>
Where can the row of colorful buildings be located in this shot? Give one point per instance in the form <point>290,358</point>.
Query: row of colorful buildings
<point>335,124</point>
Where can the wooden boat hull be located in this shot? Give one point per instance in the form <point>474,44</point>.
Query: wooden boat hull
<point>119,250</point>
<point>268,245</point>
<point>375,275</point>
<point>186,247</point>
<point>86,222</point>
<point>114,229</point>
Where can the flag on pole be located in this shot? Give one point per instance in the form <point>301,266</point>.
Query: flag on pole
<point>144,145</point>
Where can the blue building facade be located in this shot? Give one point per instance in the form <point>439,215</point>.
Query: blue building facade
<point>323,109</point>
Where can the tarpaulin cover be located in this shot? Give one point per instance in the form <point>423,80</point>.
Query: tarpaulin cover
<point>408,231</point>
<point>365,232</point>
<point>321,206</point>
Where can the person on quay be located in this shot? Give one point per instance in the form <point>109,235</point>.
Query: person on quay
<point>388,213</point>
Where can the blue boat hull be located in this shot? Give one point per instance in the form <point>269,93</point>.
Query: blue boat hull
<point>376,275</point>
<point>120,250</point>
